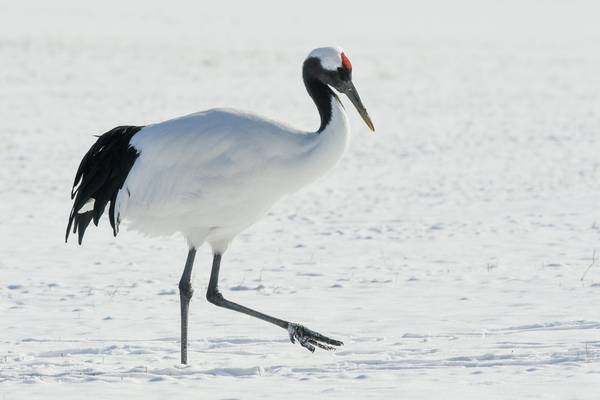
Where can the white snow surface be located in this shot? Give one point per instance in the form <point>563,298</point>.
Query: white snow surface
<point>451,251</point>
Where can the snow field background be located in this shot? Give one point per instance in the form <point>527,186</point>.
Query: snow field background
<point>452,250</point>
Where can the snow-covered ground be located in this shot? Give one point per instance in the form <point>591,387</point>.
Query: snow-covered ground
<point>452,251</point>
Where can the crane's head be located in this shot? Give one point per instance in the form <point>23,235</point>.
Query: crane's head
<point>331,66</point>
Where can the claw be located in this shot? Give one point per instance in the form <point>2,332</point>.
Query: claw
<point>311,339</point>
<point>320,345</point>
<point>308,346</point>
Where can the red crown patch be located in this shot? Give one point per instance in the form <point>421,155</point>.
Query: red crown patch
<point>346,62</point>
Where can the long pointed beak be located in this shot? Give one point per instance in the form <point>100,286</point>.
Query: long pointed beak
<point>355,99</point>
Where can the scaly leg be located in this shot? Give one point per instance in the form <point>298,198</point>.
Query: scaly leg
<point>307,338</point>
<point>185,295</point>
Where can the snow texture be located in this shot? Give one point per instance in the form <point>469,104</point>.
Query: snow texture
<point>452,251</point>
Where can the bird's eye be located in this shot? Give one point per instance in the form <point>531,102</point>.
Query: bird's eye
<point>344,74</point>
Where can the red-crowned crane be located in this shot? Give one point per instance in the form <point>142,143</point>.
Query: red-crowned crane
<point>212,174</point>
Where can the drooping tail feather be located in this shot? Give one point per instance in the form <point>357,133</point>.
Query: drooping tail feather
<point>100,175</point>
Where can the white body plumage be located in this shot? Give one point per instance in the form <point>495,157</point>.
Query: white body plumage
<point>212,174</point>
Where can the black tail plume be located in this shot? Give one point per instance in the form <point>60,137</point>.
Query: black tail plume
<point>100,175</point>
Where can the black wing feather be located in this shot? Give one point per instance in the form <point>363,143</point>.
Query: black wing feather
<point>101,173</point>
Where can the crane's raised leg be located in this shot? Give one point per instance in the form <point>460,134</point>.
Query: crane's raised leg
<point>307,338</point>
<point>185,295</point>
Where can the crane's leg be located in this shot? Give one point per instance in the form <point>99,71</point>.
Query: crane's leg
<point>185,295</point>
<point>307,338</point>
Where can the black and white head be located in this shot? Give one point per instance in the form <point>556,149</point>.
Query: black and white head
<point>332,67</point>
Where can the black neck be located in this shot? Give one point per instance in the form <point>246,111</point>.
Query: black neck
<point>321,94</point>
